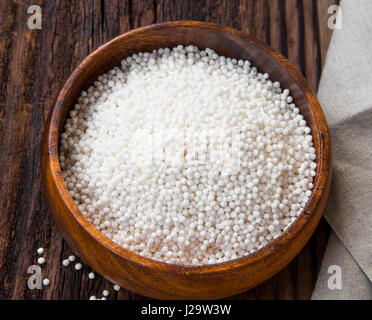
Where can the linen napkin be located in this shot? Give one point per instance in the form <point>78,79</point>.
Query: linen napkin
<point>345,93</point>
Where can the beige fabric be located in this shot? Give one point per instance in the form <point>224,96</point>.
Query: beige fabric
<point>355,284</point>
<point>345,93</point>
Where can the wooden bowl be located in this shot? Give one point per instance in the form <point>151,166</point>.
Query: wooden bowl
<point>166,281</point>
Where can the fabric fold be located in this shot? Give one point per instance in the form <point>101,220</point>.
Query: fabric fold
<point>345,93</point>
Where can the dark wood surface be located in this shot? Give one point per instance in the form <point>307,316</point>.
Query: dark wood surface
<point>33,67</point>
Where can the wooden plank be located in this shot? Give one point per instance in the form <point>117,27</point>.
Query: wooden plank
<point>33,66</point>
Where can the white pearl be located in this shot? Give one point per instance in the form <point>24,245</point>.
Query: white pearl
<point>106,293</point>
<point>65,262</point>
<point>116,287</point>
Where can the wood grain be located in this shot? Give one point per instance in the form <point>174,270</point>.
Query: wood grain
<point>33,67</point>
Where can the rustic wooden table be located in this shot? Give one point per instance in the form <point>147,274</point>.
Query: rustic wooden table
<point>33,66</point>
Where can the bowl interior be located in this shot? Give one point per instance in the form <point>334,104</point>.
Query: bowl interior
<point>225,42</point>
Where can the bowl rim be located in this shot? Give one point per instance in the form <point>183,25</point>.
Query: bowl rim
<point>320,180</point>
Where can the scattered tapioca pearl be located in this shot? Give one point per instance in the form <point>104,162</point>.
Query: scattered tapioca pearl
<point>91,275</point>
<point>46,282</point>
<point>103,298</point>
<point>71,258</point>
<point>66,262</point>
<point>116,287</point>
<point>92,298</point>
<point>106,293</point>
<point>41,260</point>
<point>78,266</point>
<point>40,250</point>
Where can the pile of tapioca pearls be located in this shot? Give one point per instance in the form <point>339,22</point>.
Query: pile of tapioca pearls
<point>170,206</point>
